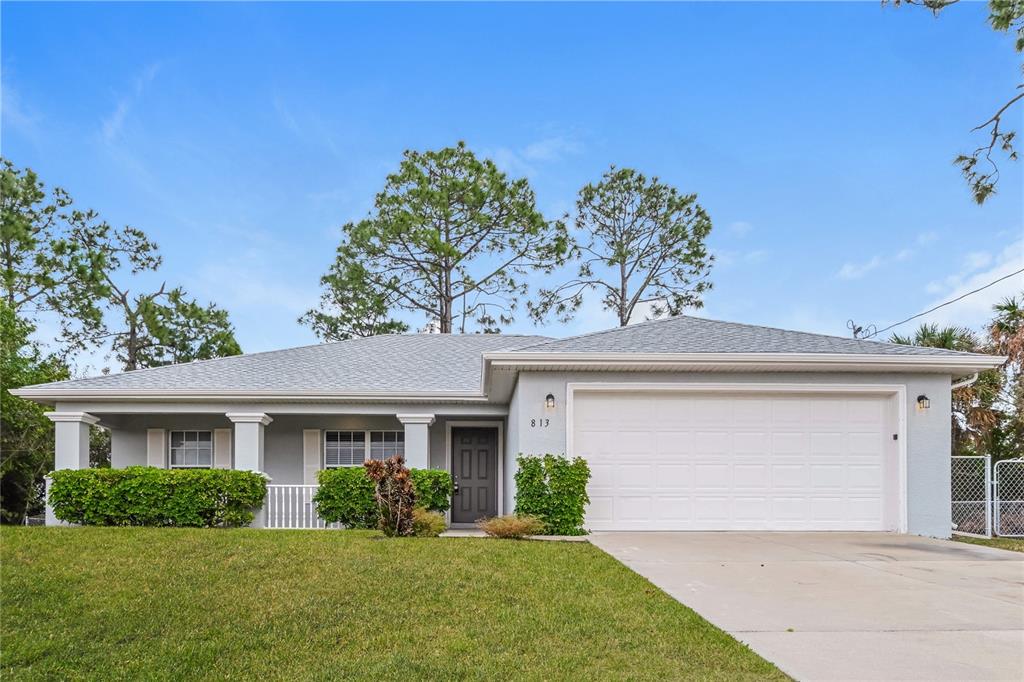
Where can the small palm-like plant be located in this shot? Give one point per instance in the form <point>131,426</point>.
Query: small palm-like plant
<point>394,495</point>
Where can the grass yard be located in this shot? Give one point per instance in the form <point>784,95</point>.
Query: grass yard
<point>176,603</point>
<point>1012,544</point>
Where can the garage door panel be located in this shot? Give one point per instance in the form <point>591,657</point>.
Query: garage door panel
<point>723,461</point>
<point>827,443</point>
<point>672,477</point>
<point>864,476</point>
<point>755,412</point>
<point>671,508</point>
<point>865,443</point>
<point>671,443</point>
<point>751,476</point>
<point>633,508</point>
<point>863,509</point>
<point>712,475</point>
<point>711,509</point>
<point>712,411</point>
<point>712,442</point>
<point>787,411</point>
<point>635,475</point>
<point>790,476</point>
<point>864,411</point>
<point>825,476</point>
<point>750,442</point>
<point>789,443</point>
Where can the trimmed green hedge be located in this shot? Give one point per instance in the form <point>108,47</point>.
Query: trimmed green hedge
<point>433,489</point>
<point>553,489</point>
<point>147,496</point>
<point>345,494</point>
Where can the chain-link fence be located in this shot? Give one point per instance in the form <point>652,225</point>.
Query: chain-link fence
<point>972,513</point>
<point>1008,477</point>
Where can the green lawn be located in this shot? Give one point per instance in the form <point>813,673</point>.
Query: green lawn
<point>175,603</point>
<point>1012,544</point>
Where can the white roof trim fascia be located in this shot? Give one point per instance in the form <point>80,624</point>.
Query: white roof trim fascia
<point>173,395</point>
<point>747,360</point>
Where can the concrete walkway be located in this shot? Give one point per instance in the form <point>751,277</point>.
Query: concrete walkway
<point>846,606</point>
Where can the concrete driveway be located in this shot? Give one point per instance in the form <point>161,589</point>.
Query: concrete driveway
<point>853,606</point>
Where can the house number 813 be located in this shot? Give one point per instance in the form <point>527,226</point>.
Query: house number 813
<point>540,423</point>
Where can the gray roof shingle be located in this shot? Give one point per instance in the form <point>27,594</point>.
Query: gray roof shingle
<point>687,334</point>
<point>442,363</point>
<point>394,363</point>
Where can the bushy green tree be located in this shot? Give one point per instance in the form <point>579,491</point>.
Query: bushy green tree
<point>1007,335</point>
<point>640,241</point>
<point>451,238</point>
<point>26,435</point>
<point>52,256</point>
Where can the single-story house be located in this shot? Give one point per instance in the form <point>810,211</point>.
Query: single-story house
<point>686,423</point>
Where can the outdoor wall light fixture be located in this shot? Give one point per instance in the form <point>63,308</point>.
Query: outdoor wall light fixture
<point>923,403</point>
<point>549,402</point>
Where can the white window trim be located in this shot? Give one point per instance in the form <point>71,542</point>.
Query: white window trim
<point>369,440</point>
<point>367,435</point>
<point>323,448</point>
<point>170,454</point>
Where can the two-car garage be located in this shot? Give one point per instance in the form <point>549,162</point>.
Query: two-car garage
<point>743,458</point>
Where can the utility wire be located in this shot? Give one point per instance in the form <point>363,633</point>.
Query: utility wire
<point>943,305</point>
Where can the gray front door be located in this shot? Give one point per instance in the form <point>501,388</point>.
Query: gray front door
<point>475,473</point>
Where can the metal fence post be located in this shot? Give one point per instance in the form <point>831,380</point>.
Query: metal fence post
<point>989,496</point>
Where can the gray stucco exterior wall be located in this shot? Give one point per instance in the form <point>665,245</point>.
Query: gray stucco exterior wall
<point>928,432</point>
<point>282,437</point>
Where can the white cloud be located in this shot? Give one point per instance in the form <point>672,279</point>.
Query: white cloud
<point>111,125</point>
<point>726,259</point>
<point>249,280</point>
<point>551,149</point>
<point>15,115</point>
<point>853,270</point>
<point>858,270</point>
<point>976,309</point>
<point>977,259</point>
<point>524,161</point>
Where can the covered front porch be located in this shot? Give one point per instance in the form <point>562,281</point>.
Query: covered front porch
<point>290,444</point>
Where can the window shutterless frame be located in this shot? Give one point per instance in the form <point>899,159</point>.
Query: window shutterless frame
<point>384,444</point>
<point>191,447</point>
<point>344,448</point>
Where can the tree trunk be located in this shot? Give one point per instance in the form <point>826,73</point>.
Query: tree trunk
<point>131,358</point>
<point>623,306</point>
<point>446,302</point>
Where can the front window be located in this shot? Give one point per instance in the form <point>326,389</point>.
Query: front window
<point>191,449</point>
<point>384,444</point>
<point>344,448</point>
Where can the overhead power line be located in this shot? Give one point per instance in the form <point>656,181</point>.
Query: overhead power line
<point>943,305</point>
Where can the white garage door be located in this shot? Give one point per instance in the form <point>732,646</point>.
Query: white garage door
<point>722,461</point>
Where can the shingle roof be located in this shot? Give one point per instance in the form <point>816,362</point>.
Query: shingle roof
<point>687,334</point>
<point>443,363</point>
<point>393,363</point>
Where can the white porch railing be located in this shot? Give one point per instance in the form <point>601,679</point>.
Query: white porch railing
<point>291,506</point>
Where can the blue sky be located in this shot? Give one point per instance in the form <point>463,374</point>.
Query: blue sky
<point>818,136</point>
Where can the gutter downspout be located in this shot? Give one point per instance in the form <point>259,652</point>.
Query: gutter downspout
<point>965,383</point>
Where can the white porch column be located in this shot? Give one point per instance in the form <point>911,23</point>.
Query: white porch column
<point>417,439</point>
<point>249,450</point>
<point>71,446</point>
<point>249,439</point>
